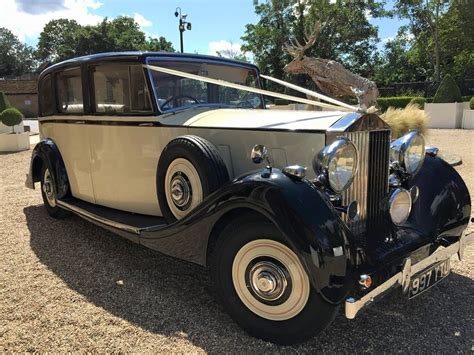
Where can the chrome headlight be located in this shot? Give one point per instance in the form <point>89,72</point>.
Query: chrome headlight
<point>409,151</point>
<point>338,162</point>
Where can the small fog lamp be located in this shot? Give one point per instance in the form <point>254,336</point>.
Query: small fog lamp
<point>400,206</point>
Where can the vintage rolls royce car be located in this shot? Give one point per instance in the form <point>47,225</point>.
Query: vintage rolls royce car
<point>295,213</point>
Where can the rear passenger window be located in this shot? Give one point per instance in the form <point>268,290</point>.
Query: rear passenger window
<point>120,88</point>
<point>69,88</point>
<point>46,96</point>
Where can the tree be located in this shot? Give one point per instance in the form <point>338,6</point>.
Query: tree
<point>16,58</point>
<point>346,34</point>
<point>456,32</point>
<point>266,39</point>
<point>58,40</point>
<point>158,45</point>
<point>424,16</point>
<point>63,39</point>
<point>402,60</point>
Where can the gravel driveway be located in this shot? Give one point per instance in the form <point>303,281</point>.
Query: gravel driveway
<point>71,286</point>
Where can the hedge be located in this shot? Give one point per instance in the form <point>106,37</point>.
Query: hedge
<point>471,103</point>
<point>448,91</point>
<point>399,101</point>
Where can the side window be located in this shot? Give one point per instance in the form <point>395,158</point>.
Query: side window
<point>69,89</point>
<point>46,96</point>
<point>120,88</point>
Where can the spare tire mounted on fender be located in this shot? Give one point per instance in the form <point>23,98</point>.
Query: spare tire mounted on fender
<point>190,168</point>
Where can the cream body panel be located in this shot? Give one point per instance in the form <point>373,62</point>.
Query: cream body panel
<point>285,148</point>
<point>253,118</point>
<point>124,163</point>
<point>73,143</point>
<point>115,166</point>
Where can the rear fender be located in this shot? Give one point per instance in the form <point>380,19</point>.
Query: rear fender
<point>47,152</point>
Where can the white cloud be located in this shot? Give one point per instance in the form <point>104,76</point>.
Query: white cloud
<point>141,20</point>
<point>26,19</point>
<point>226,48</point>
<point>387,39</point>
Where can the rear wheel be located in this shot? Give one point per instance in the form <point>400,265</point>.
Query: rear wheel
<point>263,285</point>
<point>48,192</point>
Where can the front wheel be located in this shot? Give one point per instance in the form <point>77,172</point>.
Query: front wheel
<point>263,285</point>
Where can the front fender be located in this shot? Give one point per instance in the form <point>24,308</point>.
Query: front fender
<point>303,214</point>
<point>444,205</point>
<point>47,152</point>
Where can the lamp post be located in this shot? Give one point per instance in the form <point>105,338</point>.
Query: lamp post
<point>183,25</point>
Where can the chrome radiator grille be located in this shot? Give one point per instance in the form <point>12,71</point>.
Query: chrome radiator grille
<point>370,185</point>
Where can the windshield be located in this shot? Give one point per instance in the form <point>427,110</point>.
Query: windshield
<point>175,92</point>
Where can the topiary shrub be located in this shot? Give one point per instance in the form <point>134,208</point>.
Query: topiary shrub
<point>471,103</point>
<point>448,91</point>
<point>11,117</point>
<point>4,103</point>
<point>404,120</point>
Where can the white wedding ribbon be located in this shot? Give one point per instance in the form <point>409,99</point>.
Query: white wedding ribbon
<point>341,106</point>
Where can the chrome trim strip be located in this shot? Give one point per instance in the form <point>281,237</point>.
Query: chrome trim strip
<point>402,279</point>
<point>97,219</point>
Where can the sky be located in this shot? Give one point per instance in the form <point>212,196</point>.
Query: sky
<point>216,24</point>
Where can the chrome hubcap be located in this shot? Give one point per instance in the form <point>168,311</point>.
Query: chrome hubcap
<point>180,190</point>
<point>268,280</point>
<point>49,189</point>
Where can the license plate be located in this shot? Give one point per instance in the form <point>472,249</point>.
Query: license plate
<point>430,277</point>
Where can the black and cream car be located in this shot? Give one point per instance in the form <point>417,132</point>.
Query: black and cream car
<point>294,213</point>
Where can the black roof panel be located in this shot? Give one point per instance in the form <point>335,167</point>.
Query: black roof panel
<point>137,56</point>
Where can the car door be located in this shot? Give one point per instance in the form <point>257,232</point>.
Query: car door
<point>126,145</point>
<point>65,125</point>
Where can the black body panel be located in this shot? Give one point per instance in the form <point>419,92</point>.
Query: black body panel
<point>303,214</point>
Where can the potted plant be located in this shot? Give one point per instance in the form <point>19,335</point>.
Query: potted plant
<point>12,141</point>
<point>4,104</point>
<point>468,116</point>
<point>447,108</point>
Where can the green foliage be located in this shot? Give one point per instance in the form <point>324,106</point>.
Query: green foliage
<point>63,39</point>
<point>448,91</point>
<point>346,35</point>
<point>399,102</point>
<point>16,58</point>
<point>11,117</point>
<point>471,103</point>
<point>4,103</point>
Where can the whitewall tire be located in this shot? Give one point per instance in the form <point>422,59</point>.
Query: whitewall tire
<point>262,284</point>
<point>189,170</point>
<point>270,280</point>
<point>183,187</point>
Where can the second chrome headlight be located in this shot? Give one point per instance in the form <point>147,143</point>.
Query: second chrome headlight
<point>409,151</point>
<point>338,162</point>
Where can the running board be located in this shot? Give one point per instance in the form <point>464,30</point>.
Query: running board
<point>127,224</point>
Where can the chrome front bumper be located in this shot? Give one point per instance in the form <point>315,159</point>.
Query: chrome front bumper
<point>402,279</point>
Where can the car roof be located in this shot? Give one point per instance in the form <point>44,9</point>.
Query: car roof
<point>139,57</point>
